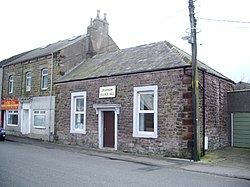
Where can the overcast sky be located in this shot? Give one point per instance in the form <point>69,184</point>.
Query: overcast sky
<point>223,45</point>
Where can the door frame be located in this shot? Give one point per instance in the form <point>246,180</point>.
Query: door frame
<point>100,109</point>
<point>25,127</point>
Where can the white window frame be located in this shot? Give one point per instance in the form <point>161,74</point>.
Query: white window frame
<point>11,82</point>
<point>12,112</point>
<point>136,110</point>
<point>44,87</point>
<point>74,96</point>
<point>39,113</point>
<point>28,81</point>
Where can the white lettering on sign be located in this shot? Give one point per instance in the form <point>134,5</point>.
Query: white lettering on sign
<point>107,91</point>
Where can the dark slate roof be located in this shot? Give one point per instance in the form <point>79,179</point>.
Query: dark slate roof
<point>242,86</point>
<point>144,58</point>
<point>41,51</point>
<point>13,58</point>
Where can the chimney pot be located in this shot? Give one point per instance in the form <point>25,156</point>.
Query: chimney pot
<point>98,14</point>
<point>91,21</point>
<point>105,17</point>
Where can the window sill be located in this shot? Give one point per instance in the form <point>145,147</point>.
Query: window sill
<point>12,125</point>
<point>39,127</point>
<point>78,131</point>
<point>145,135</point>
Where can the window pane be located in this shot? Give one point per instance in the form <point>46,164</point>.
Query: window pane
<point>28,81</point>
<point>12,119</point>
<point>10,84</point>
<point>28,75</point>
<point>146,122</point>
<point>45,82</point>
<point>79,104</point>
<point>79,121</point>
<point>45,72</point>
<point>39,120</point>
<point>146,101</point>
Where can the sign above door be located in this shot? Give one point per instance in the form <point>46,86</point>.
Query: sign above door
<point>107,92</point>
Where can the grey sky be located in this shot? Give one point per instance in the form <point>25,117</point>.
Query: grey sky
<point>222,45</point>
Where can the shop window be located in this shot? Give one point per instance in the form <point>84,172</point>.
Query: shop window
<point>39,118</point>
<point>145,112</point>
<point>78,112</point>
<point>12,117</point>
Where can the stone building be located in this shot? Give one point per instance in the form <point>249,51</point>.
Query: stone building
<point>139,100</point>
<point>28,96</point>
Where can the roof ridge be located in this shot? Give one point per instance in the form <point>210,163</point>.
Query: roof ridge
<point>41,50</point>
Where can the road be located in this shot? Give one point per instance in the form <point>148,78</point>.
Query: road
<point>26,165</point>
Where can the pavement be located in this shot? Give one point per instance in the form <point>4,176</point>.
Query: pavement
<point>228,162</point>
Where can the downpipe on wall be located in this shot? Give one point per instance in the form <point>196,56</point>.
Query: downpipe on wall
<point>50,95</point>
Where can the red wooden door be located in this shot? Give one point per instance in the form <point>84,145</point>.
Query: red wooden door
<point>109,129</point>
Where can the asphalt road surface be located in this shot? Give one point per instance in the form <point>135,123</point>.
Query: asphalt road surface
<point>26,165</point>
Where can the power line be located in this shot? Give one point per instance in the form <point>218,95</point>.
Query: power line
<point>223,20</point>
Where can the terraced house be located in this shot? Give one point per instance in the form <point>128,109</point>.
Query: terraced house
<point>28,95</point>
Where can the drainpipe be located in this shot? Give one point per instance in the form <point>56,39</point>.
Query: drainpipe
<point>50,94</point>
<point>204,113</point>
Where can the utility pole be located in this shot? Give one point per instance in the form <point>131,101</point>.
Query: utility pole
<point>195,83</point>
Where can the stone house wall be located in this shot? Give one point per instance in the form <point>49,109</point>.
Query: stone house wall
<point>16,71</point>
<point>68,57</point>
<point>217,128</point>
<point>174,112</point>
<point>31,97</point>
<point>19,71</point>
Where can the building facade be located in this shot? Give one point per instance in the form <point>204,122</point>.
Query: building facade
<point>139,100</point>
<point>28,96</point>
